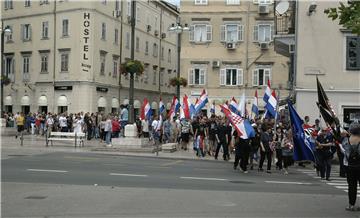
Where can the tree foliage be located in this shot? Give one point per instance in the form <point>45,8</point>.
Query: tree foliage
<point>347,14</point>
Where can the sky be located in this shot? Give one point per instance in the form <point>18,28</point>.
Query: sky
<point>175,2</point>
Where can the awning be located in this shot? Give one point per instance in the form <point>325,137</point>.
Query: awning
<point>154,105</point>
<point>102,102</point>
<point>137,104</point>
<point>126,102</point>
<point>168,106</point>
<point>42,101</point>
<point>25,100</point>
<point>115,103</point>
<point>62,101</point>
<point>8,100</point>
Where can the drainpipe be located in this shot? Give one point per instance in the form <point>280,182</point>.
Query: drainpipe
<point>247,39</point>
<point>54,57</point>
<point>121,44</point>
<point>161,54</point>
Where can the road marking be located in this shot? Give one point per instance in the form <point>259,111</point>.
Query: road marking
<point>124,174</point>
<point>341,187</point>
<point>332,183</point>
<point>203,178</point>
<point>52,171</point>
<point>172,163</point>
<point>294,183</point>
<point>81,158</point>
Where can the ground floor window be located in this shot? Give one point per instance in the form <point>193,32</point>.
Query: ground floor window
<point>351,115</point>
<point>62,109</point>
<point>101,109</point>
<point>25,109</point>
<point>43,109</point>
<point>8,108</point>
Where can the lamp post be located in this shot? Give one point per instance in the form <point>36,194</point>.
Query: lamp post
<point>178,29</point>
<point>4,32</point>
<point>132,57</point>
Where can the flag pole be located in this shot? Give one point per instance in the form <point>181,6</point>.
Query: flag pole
<point>277,108</point>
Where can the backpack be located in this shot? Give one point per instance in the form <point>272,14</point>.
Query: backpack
<point>185,127</point>
<point>354,156</point>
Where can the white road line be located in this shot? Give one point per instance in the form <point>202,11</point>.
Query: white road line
<point>52,171</point>
<point>124,174</point>
<point>202,178</point>
<point>332,183</point>
<point>293,183</point>
<point>341,187</point>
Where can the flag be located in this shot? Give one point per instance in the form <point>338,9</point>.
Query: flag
<point>159,124</point>
<point>242,126</point>
<point>303,147</point>
<point>242,106</point>
<point>272,104</point>
<point>161,107</point>
<point>203,100</point>
<point>185,109</point>
<point>267,94</point>
<point>175,106</point>
<point>255,108</point>
<point>212,109</point>
<point>146,111</point>
<point>233,106</point>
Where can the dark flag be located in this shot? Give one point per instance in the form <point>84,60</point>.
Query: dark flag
<point>303,147</point>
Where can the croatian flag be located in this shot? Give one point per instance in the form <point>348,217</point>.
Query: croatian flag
<point>212,109</point>
<point>159,124</point>
<point>255,108</point>
<point>145,110</point>
<point>242,126</point>
<point>175,106</point>
<point>271,105</point>
<point>203,100</point>
<point>161,107</point>
<point>267,94</point>
<point>242,105</point>
<point>185,109</point>
<point>233,106</point>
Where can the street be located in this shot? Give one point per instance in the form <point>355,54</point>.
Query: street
<point>62,184</point>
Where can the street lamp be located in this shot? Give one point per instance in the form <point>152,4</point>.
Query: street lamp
<point>178,29</point>
<point>4,32</point>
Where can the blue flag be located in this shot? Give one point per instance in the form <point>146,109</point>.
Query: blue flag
<point>303,147</point>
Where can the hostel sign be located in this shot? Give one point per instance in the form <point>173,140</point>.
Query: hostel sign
<point>85,57</point>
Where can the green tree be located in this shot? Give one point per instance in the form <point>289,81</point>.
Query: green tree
<point>348,15</point>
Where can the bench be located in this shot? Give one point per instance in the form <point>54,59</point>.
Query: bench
<point>66,136</point>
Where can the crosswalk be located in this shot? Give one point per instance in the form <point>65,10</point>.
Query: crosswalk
<point>336,181</point>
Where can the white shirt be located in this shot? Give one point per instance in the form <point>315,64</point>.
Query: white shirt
<point>108,126</point>
<point>50,121</point>
<point>78,126</point>
<point>145,125</point>
<point>63,121</point>
<point>154,125</point>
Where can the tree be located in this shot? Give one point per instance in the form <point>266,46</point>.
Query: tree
<point>348,15</point>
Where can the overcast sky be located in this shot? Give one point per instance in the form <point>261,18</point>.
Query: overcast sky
<point>175,2</point>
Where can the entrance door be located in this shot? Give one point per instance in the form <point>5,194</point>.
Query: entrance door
<point>101,109</point>
<point>62,109</point>
<point>8,108</point>
<point>25,109</point>
<point>43,109</point>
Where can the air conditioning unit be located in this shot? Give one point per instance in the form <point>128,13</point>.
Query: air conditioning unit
<point>230,45</point>
<point>263,9</point>
<point>264,45</point>
<point>156,32</point>
<point>163,35</point>
<point>216,64</point>
<point>116,13</point>
<point>129,19</point>
<point>148,28</point>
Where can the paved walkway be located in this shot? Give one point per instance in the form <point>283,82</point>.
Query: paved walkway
<point>37,143</point>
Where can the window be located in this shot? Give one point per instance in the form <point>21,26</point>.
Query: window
<point>162,72</point>
<point>9,36</point>
<point>65,27</point>
<point>201,2</point>
<point>197,76</point>
<point>155,50</point>
<point>115,68</point>
<point>10,67</point>
<point>128,4</point>
<point>146,48</point>
<point>263,33</point>
<point>27,3</point>
<point>26,68</point>
<point>45,30</point>
<point>146,73</point>
<point>231,77</point>
<point>116,37</point>
<point>117,5</point>
<point>8,4</point>
<point>162,53</point>
<point>44,63</point>
<point>137,44</point>
<point>102,64</point>
<point>264,2</point>
<point>200,33</point>
<point>127,40</point>
<point>154,77</point>
<point>103,31</point>
<point>352,53</point>
<point>137,14</point>
<point>64,62</point>
<point>26,32</point>
<point>231,33</point>
<point>261,76</point>
<point>169,55</point>
<point>44,2</point>
<point>232,2</point>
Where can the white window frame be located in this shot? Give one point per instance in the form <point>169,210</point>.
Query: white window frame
<point>224,32</point>
<point>26,32</point>
<point>103,31</point>
<point>116,37</point>
<point>202,71</point>
<point>200,2</point>
<point>9,69</point>
<point>27,3</point>
<point>155,49</point>
<point>64,61</point>
<point>115,68</point>
<point>256,32</point>
<point>265,2</point>
<point>44,62</point>
<point>146,73</point>
<point>26,67</point>
<point>45,30</point>
<point>102,64</point>
<point>8,4</point>
<point>232,2</point>
<point>138,20</point>
<point>65,27</point>
<point>9,36</point>
<point>266,74</point>
<point>117,5</point>
<point>128,6</point>
<point>239,76</point>
<point>154,76</point>
<point>208,33</point>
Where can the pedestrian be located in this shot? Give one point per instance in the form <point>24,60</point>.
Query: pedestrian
<point>279,136</point>
<point>115,127</point>
<point>20,122</point>
<point>155,130</point>
<point>255,145</point>
<point>124,117</point>
<point>351,150</point>
<point>222,140</point>
<point>78,124</point>
<point>287,148</point>
<point>63,123</point>
<point>212,131</point>
<point>102,129</point>
<point>88,122</point>
<point>108,130</point>
<point>265,151</point>
<point>185,133</point>
<point>145,127</point>
<point>166,131</point>
<point>324,142</point>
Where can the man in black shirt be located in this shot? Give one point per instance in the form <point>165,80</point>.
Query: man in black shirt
<point>324,142</point>
<point>255,144</point>
<point>222,140</point>
<point>265,151</point>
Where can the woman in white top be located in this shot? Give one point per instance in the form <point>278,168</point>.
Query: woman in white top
<point>108,129</point>
<point>78,125</point>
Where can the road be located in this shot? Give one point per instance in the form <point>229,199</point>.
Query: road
<point>64,184</point>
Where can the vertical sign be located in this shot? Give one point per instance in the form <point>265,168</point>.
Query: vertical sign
<point>85,40</point>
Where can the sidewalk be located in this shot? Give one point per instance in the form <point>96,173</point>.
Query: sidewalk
<point>37,143</point>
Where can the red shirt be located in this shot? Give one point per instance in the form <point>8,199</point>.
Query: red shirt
<point>115,126</point>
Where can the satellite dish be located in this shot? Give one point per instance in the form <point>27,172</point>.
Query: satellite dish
<point>282,7</point>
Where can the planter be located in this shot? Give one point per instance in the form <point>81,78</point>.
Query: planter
<point>132,66</point>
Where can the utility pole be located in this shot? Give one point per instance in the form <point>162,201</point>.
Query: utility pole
<point>132,56</point>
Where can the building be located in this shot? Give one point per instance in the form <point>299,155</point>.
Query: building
<point>229,50</point>
<point>66,55</point>
<point>326,50</point>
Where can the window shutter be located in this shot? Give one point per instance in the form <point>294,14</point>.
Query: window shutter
<point>255,80</point>
<point>202,76</point>
<point>222,33</point>
<point>22,31</point>
<point>30,32</point>
<point>271,32</point>
<point>191,76</point>
<point>239,77</point>
<point>208,33</point>
<point>240,32</point>
<point>222,77</point>
<point>12,76</point>
<point>256,33</point>
<point>256,1</point>
<point>192,33</point>
<point>267,76</point>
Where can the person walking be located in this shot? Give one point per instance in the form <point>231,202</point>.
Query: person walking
<point>115,127</point>
<point>255,145</point>
<point>124,118</point>
<point>287,148</point>
<point>212,131</point>
<point>108,130</point>
<point>279,136</point>
<point>324,141</point>
<point>166,131</point>
<point>221,139</point>
<point>351,150</point>
<point>265,151</point>
<point>63,123</point>
<point>20,122</point>
<point>185,133</point>
<point>145,128</point>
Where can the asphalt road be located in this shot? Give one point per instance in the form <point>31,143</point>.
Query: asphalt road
<point>93,185</point>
